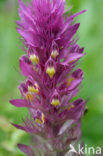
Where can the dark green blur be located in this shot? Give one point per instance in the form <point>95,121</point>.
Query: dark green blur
<point>91,37</point>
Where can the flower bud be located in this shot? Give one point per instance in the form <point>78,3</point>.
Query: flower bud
<point>56,99</point>
<point>29,96</point>
<point>29,89</point>
<point>24,90</point>
<point>50,68</point>
<point>34,58</point>
<point>54,50</point>
<point>54,54</point>
<point>39,118</point>
<point>33,89</point>
<point>75,79</point>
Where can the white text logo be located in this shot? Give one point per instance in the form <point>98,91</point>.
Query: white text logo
<point>85,149</point>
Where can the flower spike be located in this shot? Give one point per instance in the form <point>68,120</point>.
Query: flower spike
<point>51,77</point>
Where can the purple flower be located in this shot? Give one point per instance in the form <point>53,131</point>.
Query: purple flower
<point>52,79</point>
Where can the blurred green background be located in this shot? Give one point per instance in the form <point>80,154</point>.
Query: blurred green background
<point>91,37</point>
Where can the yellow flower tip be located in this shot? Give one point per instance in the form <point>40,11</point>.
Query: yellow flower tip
<point>29,96</point>
<point>36,85</point>
<point>70,107</point>
<point>33,90</point>
<point>55,102</point>
<point>43,118</point>
<point>38,121</point>
<point>34,59</point>
<point>50,71</point>
<point>54,54</point>
<point>69,81</point>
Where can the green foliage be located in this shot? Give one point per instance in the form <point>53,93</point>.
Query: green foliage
<point>91,38</point>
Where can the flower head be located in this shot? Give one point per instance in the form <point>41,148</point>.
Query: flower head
<point>51,81</point>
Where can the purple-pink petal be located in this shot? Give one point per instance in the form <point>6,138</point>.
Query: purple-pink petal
<point>19,103</point>
<point>26,149</point>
